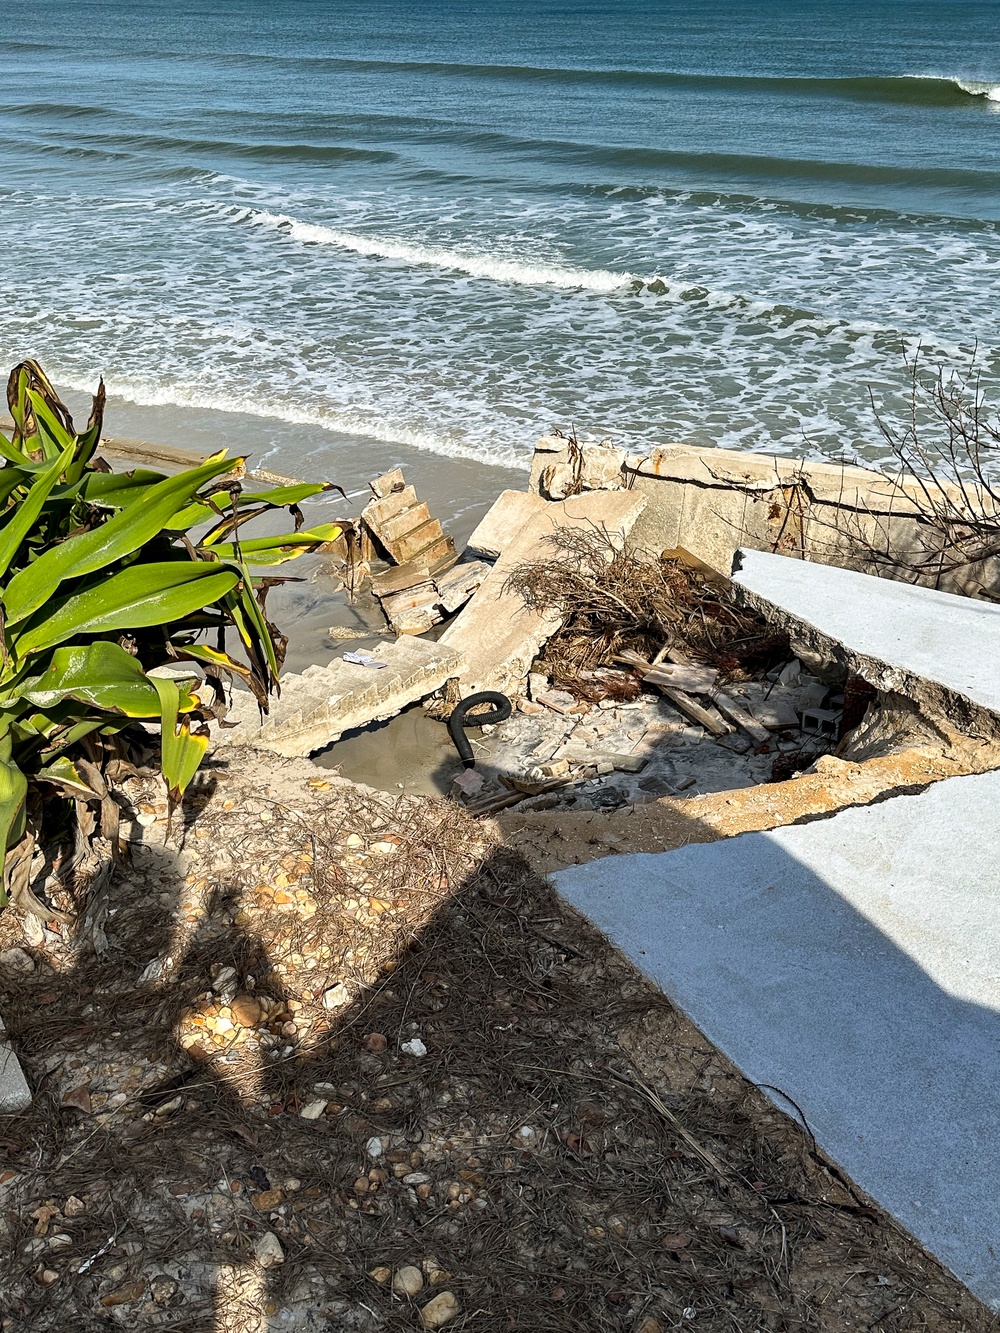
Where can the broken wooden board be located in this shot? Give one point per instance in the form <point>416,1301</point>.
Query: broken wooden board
<point>729,708</point>
<point>499,635</point>
<point>687,676</point>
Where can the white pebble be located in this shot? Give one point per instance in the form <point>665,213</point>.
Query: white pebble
<point>336,997</point>
<point>414,1047</point>
<point>267,1250</point>
<point>374,1147</point>
<point>313,1110</point>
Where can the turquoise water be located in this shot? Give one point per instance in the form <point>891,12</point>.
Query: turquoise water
<point>453,225</point>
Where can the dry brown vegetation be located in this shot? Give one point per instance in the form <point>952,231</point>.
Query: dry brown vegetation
<point>613,600</point>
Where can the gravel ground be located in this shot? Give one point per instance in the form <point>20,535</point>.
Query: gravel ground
<point>325,1058</point>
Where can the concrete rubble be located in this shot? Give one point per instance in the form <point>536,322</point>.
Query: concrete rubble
<point>318,706</point>
<point>939,649</point>
<point>496,632</point>
<point>846,964</point>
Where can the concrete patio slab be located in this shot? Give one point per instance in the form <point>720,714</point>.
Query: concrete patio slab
<point>934,647</point>
<point>853,963</point>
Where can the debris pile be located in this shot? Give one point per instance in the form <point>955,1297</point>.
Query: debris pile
<point>424,583</point>
<point>656,671</point>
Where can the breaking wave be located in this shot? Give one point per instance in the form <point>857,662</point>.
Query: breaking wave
<point>494,267</point>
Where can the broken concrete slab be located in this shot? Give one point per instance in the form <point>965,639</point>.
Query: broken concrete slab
<point>419,601</point>
<point>15,1095</point>
<point>402,526</point>
<point>936,648</point>
<point>413,610</point>
<point>457,584</point>
<point>498,634</point>
<point>851,964</point>
<point>318,706</point>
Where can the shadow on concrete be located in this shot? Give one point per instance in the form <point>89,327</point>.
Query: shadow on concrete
<point>853,963</point>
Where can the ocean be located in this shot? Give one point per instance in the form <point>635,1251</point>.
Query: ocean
<point>389,230</point>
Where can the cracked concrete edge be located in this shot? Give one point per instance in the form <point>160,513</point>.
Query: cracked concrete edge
<point>15,1095</point>
<point>938,704</point>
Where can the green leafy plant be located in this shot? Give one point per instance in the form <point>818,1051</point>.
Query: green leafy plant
<point>104,577</point>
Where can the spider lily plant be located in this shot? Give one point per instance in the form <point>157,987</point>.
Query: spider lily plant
<point>104,577</point>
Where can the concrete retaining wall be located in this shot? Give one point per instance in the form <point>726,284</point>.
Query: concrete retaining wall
<point>712,501</point>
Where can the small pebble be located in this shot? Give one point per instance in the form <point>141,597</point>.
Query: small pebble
<point>313,1110</point>
<point>267,1250</point>
<point>267,1200</point>
<point>374,1147</point>
<point>126,1295</point>
<point>414,1047</point>
<point>440,1310</point>
<point>336,997</point>
<point>246,1010</point>
<point>408,1281</point>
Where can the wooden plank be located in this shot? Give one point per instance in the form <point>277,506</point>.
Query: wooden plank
<point>728,707</point>
<point>694,679</point>
<point>711,722</point>
<point>686,676</point>
<point>695,711</point>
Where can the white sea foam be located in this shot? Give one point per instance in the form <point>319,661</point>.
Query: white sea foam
<point>374,425</point>
<point>978,88</point>
<point>493,267</point>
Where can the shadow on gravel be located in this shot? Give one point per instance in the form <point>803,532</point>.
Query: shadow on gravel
<point>569,1153</point>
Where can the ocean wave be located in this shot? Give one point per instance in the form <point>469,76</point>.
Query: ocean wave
<point>54,110</point>
<point>915,89</point>
<point>658,286</point>
<point>261,151</point>
<point>491,266</point>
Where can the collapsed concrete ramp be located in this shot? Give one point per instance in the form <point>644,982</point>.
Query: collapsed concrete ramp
<point>851,967</point>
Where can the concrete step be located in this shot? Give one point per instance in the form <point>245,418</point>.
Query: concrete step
<point>317,706</point>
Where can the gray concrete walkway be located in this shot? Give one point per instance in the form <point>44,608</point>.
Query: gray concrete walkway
<point>899,637</point>
<point>854,963</point>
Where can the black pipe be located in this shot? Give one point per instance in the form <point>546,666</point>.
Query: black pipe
<point>458,720</point>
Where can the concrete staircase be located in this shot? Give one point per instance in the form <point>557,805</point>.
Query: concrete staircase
<point>318,706</point>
